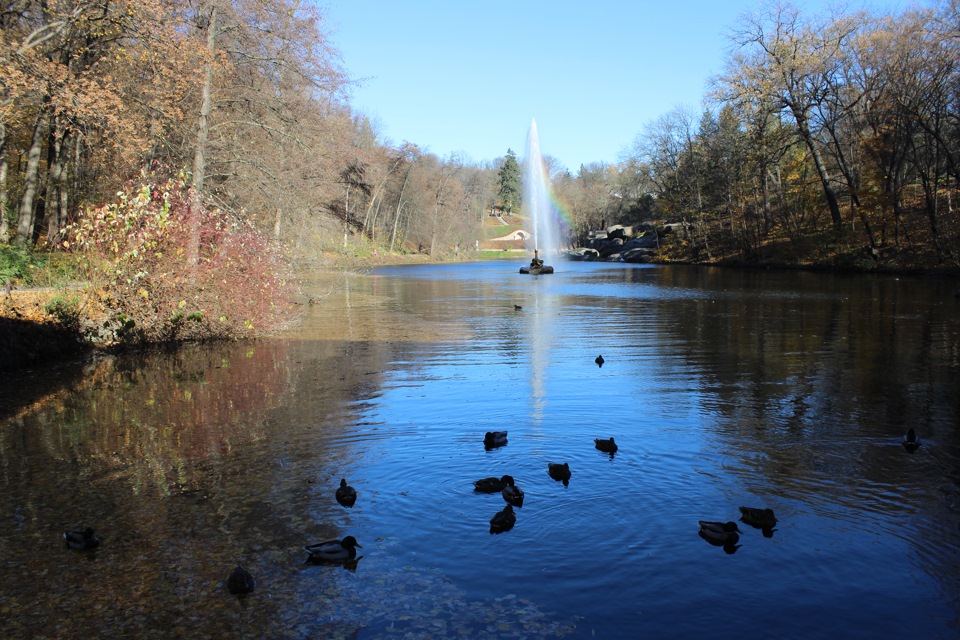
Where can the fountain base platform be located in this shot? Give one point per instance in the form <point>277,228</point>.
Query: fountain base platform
<point>536,271</point>
<point>536,267</point>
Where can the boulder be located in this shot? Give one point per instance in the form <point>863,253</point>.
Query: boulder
<point>610,247</point>
<point>673,227</point>
<point>585,254</point>
<point>647,240</point>
<point>638,255</point>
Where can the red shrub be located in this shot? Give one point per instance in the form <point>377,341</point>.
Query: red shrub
<point>170,272</point>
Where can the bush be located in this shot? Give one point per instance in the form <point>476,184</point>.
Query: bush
<point>17,261</point>
<point>170,272</point>
<point>66,310</point>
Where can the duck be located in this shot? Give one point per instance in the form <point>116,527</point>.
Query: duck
<point>503,520</point>
<point>910,441</point>
<point>492,485</point>
<point>608,446</point>
<point>762,518</point>
<point>512,493</point>
<point>81,540</point>
<point>240,581</point>
<point>346,495</point>
<point>599,360</point>
<point>517,307</point>
<point>559,471</point>
<point>495,438</point>
<point>721,533</point>
<point>333,550</point>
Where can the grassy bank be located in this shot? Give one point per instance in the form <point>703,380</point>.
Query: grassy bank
<point>47,315</point>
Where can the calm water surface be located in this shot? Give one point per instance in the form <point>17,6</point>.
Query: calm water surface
<point>723,388</point>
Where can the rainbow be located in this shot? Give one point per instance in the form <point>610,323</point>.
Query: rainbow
<point>561,216</point>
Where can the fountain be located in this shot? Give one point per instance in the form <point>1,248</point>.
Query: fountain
<point>536,202</point>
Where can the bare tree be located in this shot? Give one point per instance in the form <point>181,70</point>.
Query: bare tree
<point>787,70</point>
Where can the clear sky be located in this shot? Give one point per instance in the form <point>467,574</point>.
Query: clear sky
<point>468,76</point>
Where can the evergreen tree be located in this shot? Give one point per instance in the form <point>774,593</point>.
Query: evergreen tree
<point>509,181</point>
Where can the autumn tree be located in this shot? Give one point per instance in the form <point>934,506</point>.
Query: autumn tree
<point>71,70</point>
<point>785,60</point>
<point>272,125</point>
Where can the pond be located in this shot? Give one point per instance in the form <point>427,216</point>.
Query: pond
<point>723,388</point>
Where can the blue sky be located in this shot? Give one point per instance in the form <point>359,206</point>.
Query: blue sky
<point>468,76</point>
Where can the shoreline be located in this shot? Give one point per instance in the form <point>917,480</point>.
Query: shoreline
<point>43,325</point>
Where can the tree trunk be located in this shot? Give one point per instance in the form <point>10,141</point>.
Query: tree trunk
<point>366,217</point>
<point>373,224</point>
<point>203,134</point>
<point>803,127</point>
<point>54,212</point>
<point>376,192</point>
<point>31,179</point>
<point>396,218</point>
<point>4,226</point>
<point>437,209</point>
<point>931,186</point>
<point>396,221</point>
<point>767,209</point>
<point>346,216</point>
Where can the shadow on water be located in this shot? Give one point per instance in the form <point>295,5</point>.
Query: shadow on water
<point>722,388</point>
<point>26,348</point>
<point>189,462</point>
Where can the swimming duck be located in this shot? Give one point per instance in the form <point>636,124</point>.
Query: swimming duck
<point>346,495</point>
<point>81,540</point>
<point>609,446</point>
<point>729,545</point>
<point>240,581</point>
<point>559,471</point>
<point>599,361</point>
<point>492,485</point>
<point>495,438</point>
<point>503,520</point>
<point>333,550</point>
<point>910,441</point>
<point>723,533</point>
<point>517,307</point>
<point>512,493</point>
<point>762,518</point>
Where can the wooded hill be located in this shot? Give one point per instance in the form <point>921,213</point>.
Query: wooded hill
<point>830,136</point>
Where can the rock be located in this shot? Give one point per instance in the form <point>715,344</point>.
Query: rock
<point>609,248</point>
<point>638,255</point>
<point>585,254</point>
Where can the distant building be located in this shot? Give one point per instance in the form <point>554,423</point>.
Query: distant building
<point>519,234</point>
<point>515,241</point>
